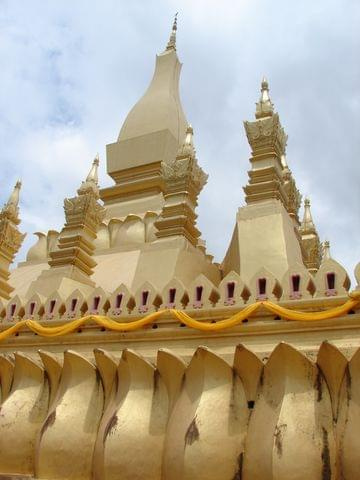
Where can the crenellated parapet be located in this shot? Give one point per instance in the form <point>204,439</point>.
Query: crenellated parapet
<point>10,239</point>
<point>297,288</point>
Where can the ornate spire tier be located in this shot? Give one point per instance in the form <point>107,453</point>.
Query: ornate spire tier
<point>267,139</point>
<point>184,180</point>
<point>10,239</point>
<point>72,260</point>
<point>84,215</point>
<point>270,176</point>
<point>266,232</point>
<point>310,241</point>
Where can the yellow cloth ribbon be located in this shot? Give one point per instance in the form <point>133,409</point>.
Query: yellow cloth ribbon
<point>183,317</point>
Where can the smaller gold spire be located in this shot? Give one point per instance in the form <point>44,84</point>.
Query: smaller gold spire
<point>264,107</point>
<point>15,195</point>
<point>93,174</point>
<point>172,40</point>
<point>10,238</point>
<point>307,225</point>
<point>11,207</point>
<point>326,250</point>
<point>91,182</point>
<point>187,148</point>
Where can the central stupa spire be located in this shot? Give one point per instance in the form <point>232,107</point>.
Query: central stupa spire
<point>151,135</point>
<point>172,40</point>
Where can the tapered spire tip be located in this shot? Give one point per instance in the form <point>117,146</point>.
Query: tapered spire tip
<point>172,40</point>
<point>264,107</point>
<point>92,179</point>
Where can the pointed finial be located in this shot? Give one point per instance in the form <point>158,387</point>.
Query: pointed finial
<point>307,225</point>
<point>187,148</point>
<point>93,174</point>
<point>11,207</point>
<point>264,107</point>
<point>326,250</point>
<point>172,40</point>
<point>92,179</point>
<point>15,195</point>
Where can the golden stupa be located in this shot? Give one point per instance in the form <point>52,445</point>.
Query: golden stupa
<point>128,353</point>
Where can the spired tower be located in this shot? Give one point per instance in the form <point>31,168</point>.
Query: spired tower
<point>266,231</point>
<point>151,135</point>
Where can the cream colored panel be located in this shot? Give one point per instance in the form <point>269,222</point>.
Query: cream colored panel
<point>249,368</point>
<point>22,415</point>
<point>69,432</point>
<point>290,433</point>
<point>107,367</point>
<point>349,422</point>
<point>133,441</point>
<point>172,370</point>
<point>207,427</point>
<point>53,370</point>
<point>333,364</point>
<point>6,376</point>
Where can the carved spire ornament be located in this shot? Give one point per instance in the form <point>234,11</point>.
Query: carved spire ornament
<point>310,241</point>
<point>84,215</point>
<point>10,238</point>
<point>326,250</point>
<point>184,180</point>
<point>267,140</point>
<point>172,40</point>
<point>307,225</point>
<point>264,107</point>
<point>91,182</point>
<point>293,196</point>
<point>270,176</point>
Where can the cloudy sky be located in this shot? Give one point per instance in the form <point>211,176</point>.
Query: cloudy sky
<point>72,69</point>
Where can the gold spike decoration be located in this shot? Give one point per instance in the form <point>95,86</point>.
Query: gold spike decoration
<point>264,107</point>
<point>172,40</point>
<point>310,242</point>
<point>10,238</point>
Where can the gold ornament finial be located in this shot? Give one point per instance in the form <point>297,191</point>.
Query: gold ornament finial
<point>326,250</point>
<point>11,207</point>
<point>92,179</point>
<point>15,195</point>
<point>307,225</point>
<point>93,174</point>
<point>264,107</point>
<point>172,40</point>
<point>187,148</point>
